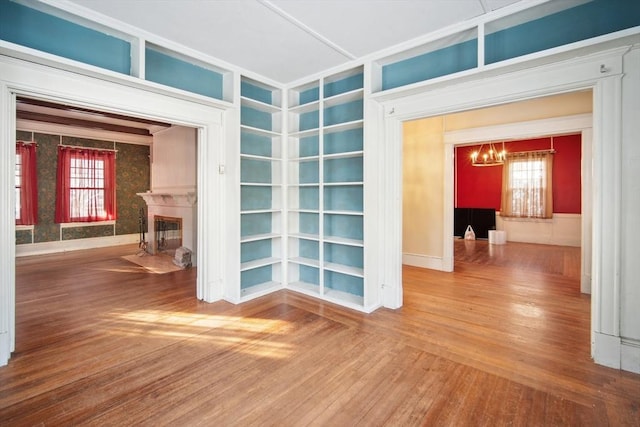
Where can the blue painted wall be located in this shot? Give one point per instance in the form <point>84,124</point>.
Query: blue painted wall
<point>309,146</point>
<point>343,254</point>
<point>254,198</point>
<point>309,95</point>
<point>309,223</point>
<point>254,144</point>
<point>309,274</point>
<point>167,70</point>
<point>345,141</point>
<point>344,85</point>
<point>31,28</point>
<point>250,251</point>
<point>255,276</point>
<point>255,223</point>
<point>585,21</point>
<point>343,282</point>
<point>343,198</point>
<point>258,93</point>
<point>309,198</point>
<point>343,113</point>
<point>448,60</point>
<point>349,169</point>
<point>346,226</point>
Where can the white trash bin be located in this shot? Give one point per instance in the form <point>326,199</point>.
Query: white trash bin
<point>497,237</point>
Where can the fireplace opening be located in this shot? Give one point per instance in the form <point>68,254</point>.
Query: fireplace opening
<point>168,233</point>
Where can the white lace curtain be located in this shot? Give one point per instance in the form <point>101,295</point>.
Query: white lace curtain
<point>527,185</point>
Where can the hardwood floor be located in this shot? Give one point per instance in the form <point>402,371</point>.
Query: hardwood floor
<point>101,342</point>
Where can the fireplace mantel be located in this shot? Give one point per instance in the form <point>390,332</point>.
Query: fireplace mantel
<point>169,199</point>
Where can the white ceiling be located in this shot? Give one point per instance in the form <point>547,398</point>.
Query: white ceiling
<point>286,40</point>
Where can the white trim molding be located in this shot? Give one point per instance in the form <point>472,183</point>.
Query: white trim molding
<point>18,77</point>
<point>74,244</point>
<point>600,72</point>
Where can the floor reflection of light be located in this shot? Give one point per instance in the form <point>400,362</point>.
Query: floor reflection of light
<point>528,310</point>
<point>227,331</point>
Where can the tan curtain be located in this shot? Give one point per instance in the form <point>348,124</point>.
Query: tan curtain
<point>527,185</point>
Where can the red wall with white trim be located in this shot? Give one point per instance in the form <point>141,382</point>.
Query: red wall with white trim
<point>481,187</point>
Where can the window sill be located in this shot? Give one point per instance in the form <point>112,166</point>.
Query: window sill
<point>24,227</point>
<point>86,224</point>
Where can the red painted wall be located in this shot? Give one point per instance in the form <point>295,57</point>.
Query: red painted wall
<point>480,187</point>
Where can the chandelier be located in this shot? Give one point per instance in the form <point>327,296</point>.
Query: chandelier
<point>488,155</point>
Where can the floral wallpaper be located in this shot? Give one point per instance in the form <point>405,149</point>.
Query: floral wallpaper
<point>133,175</point>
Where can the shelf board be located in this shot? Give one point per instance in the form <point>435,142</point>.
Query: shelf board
<point>305,288</point>
<point>259,184</point>
<point>305,108</point>
<point>256,237</point>
<point>344,269</point>
<point>345,155</point>
<point>259,105</point>
<point>305,261</point>
<point>258,131</point>
<point>249,265</point>
<point>311,184</point>
<point>256,157</point>
<point>259,211</point>
<point>344,298</point>
<point>343,98</point>
<point>352,213</point>
<point>259,290</point>
<point>344,184</point>
<point>344,241</point>
<point>305,133</point>
<point>341,127</point>
<point>304,159</point>
<point>305,236</point>
<point>309,211</point>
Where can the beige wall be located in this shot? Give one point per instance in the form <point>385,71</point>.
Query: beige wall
<point>173,160</point>
<point>423,187</point>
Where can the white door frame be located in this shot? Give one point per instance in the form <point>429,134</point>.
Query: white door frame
<point>21,78</point>
<point>601,72</point>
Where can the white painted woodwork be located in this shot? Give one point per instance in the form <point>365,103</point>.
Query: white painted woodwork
<point>75,244</point>
<point>174,160</point>
<point>28,79</point>
<point>543,80</point>
<point>562,229</point>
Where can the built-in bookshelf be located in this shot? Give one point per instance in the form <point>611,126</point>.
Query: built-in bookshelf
<point>261,187</point>
<point>325,190</point>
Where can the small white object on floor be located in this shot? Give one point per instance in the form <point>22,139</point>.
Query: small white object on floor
<point>182,257</point>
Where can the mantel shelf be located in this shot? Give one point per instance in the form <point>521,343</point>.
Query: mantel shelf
<point>187,199</point>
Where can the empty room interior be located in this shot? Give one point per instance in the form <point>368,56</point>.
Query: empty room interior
<point>275,212</point>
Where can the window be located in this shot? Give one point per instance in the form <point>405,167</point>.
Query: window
<point>527,185</point>
<point>86,185</point>
<point>26,190</point>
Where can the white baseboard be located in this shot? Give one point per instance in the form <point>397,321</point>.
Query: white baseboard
<point>630,355</point>
<point>606,350</point>
<point>424,261</point>
<point>74,245</point>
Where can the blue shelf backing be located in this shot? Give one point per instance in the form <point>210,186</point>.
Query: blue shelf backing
<point>174,72</point>
<point>345,226</point>
<point>254,198</point>
<point>256,118</point>
<point>344,198</point>
<point>309,274</point>
<point>309,223</point>
<point>309,198</point>
<point>309,146</point>
<point>348,169</point>
<point>344,141</point>
<point>256,276</point>
<point>309,172</point>
<point>254,144</point>
<point>342,254</point>
<point>309,120</point>
<point>343,282</point>
<point>344,85</point>
<point>250,251</point>
<point>255,92</point>
<point>448,60</point>
<point>309,95</point>
<point>343,113</point>
<point>587,20</point>
<point>254,170</point>
<point>255,223</point>
<point>309,249</point>
<point>37,30</point>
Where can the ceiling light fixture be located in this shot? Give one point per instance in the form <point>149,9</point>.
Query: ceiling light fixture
<point>488,155</point>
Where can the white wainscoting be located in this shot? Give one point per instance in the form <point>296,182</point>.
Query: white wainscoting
<point>75,244</point>
<point>562,229</point>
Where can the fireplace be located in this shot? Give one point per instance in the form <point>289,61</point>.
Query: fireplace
<point>172,222</point>
<point>168,233</point>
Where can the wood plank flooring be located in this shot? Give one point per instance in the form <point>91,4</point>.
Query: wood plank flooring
<point>504,340</point>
